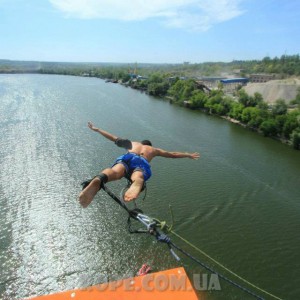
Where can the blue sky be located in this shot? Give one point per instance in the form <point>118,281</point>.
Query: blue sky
<point>153,31</point>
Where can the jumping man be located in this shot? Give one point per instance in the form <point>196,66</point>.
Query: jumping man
<point>134,164</point>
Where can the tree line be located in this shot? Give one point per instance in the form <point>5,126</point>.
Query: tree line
<point>286,65</point>
<point>280,120</point>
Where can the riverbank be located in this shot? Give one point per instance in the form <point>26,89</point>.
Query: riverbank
<point>276,121</point>
<point>239,123</point>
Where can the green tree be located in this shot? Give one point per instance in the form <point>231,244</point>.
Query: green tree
<point>182,90</point>
<point>258,98</point>
<point>198,99</point>
<point>295,138</point>
<point>291,123</point>
<point>252,116</point>
<point>236,110</point>
<point>247,100</point>
<point>279,108</point>
<point>214,102</point>
<point>220,86</point>
<point>155,78</point>
<point>122,75</point>
<point>297,99</point>
<point>243,97</point>
<point>227,102</point>
<point>176,90</point>
<point>158,89</point>
<point>280,120</point>
<point>189,88</point>
<point>263,106</point>
<point>269,127</point>
<point>218,109</point>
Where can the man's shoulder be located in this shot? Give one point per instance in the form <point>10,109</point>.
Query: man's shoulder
<point>156,151</point>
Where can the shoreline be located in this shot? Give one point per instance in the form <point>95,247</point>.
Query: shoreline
<point>167,98</point>
<point>239,123</point>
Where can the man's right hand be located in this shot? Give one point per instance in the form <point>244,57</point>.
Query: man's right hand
<point>106,134</point>
<point>194,155</point>
<point>91,126</point>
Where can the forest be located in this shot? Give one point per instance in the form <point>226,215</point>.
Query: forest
<point>179,83</point>
<point>286,65</point>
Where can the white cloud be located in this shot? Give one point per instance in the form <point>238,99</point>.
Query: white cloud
<point>196,15</point>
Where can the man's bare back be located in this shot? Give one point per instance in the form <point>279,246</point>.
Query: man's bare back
<point>146,151</point>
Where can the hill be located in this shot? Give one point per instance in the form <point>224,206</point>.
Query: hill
<point>273,90</point>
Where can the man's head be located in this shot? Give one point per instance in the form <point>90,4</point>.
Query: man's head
<point>146,142</point>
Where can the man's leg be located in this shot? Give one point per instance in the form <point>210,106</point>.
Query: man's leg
<point>88,194</point>
<point>133,192</point>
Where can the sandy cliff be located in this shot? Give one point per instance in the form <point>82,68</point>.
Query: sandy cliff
<point>275,89</point>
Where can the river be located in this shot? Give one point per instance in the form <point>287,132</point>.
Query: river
<point>240,202</point>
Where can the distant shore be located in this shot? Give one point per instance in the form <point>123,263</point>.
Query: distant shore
<point>278,136</point>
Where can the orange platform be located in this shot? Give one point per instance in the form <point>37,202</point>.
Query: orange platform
<point>170,284</point>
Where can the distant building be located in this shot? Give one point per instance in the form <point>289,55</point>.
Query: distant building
<point>261,77</point>
<point>211,82</point>
<point>231,84</point>
<point>242,81</point>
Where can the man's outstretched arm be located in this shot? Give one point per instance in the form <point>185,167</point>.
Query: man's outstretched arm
<point>106,134</point>
<point>123,143</point>
<point>168,154</point>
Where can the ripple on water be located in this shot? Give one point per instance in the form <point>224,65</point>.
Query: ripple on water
<point>239,202</point>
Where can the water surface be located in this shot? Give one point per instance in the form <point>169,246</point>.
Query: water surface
<point>239,202</point>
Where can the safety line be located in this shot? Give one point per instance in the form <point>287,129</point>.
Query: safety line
<point>169,229</point>
<point>225,268</point>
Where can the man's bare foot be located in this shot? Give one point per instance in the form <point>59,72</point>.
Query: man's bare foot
<point>88,194</point>
<point>134,190</point>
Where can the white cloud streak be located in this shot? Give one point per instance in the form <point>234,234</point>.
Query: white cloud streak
<point>195,15</point>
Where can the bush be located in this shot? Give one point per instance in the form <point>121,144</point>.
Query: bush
<point>198,100</point>
<point>280,107</point>
<point>252,116</point>
<point>295,138</point>
<point>269,127</point>
<point>236,110</point>
<point>291,123</point>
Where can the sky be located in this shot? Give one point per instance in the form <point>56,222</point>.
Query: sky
<point>148,31</point>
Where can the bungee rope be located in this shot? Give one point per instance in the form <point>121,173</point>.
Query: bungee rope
<point>225,268</point>
<point>154,225</point>
<point>166,228</point>
<point>152,228</point>
<point>220,265</point>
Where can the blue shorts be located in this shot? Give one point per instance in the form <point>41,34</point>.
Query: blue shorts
<point>134,162</point>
